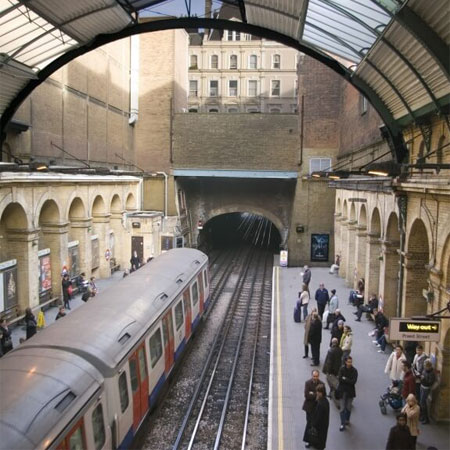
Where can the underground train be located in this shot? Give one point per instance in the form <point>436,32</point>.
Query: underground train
<point>89,380</point>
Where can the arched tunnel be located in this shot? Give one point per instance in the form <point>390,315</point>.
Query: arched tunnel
<point>239,228</point>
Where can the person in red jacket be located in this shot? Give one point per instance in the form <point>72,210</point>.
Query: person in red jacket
<point>409,381</point>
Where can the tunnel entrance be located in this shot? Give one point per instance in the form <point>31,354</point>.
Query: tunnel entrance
<point>239,228</point>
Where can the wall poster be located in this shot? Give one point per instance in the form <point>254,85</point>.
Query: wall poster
<point>8,295</point>
<point>95,253</point>
<point>319,247</point>
<point>73,260</point>
<point>45,271</point>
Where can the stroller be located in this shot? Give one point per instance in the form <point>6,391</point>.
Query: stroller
<point>391,397</point>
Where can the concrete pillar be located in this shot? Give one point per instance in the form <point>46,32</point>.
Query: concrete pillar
<point>23,246</point>
<point>350,261</point>
<point>337,235</point>
<point>100,223</point>
<point>389,270</point>
<point>80,230</point>
<point>55,237</point>
<point>360,254</point>
<point>120,237</point>
<point>344,249</point>
<point>373,248</point>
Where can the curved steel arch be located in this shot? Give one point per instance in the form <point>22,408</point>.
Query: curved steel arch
<point>397,144</point>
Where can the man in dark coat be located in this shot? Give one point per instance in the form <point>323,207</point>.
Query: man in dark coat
<point>399,436</point>
<point>65,290</point>
<point>322,298</point>
<point>310,395</point>
<point>347,377</point>
<point>332,364</point>
<point>306,276</point>
<point>381,322</point>
<point>315,338</point>
<point>319,421</point>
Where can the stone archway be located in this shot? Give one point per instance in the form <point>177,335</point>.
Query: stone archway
<point>116,235</point>
<point>351,237</point>
<point>18,252</point>
<point>416,273</point>
<point>389,270</point>
<point>52,249</point>
<point>360,245</point>
<point>100,238</point>
<point>79,245</point>
<point>130,204</point>
<point>344,241</point>
<point>373,249</point>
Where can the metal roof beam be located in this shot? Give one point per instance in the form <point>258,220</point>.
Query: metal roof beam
<point>426,36</point>
<point>302,19</point>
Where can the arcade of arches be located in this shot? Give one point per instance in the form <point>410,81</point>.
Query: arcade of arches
<point>74,223</point>
<point>399,242</point>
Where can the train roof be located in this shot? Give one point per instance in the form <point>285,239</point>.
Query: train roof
<point>39,387</point>
<point>105,328</point>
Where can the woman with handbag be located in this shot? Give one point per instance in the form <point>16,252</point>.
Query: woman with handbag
<point>5,340</point>
<point>30,323</point>
<point>316,433</point>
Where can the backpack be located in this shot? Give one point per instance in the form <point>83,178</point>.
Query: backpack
<point>297,317</point>
<point>85,297</point>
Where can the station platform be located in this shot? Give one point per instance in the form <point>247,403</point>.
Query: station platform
<point>369,429</point>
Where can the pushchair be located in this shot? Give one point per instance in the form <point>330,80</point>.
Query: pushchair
<point>391,397</point>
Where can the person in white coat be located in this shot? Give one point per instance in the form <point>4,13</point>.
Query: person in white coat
<point>394,365</point>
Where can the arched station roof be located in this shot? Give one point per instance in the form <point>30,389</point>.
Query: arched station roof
<point>396,52</point>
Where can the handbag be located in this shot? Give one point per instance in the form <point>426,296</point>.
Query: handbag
<point>312,435</point>
<point>70,289</point>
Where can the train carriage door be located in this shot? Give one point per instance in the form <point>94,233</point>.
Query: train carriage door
<point>201,292</point>
<point>169,346</point>
<point>139,385</point>
<point>188,312</point>
<point>75,439</point>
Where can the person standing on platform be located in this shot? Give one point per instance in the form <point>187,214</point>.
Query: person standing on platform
<point>347,378</point>
<point>426,382</point>
<point>315,338</point>
<point>306,276</point>
<point>412,411</point>
<point>30,323</point>
<point>318,431</point>
<point>337,332</point>
<point>346,342</point>
<point>394,365</point>
<point>399,436</point>
<point>306,335</point>
<point>5,338</point>
<point>409,381</point>
<point>304,300</point>
<point>417,367</point>
<point>332,307</point>
<point>322,298</point>
<point>332,364</point>
<point>66,288</point>
<point>309,404</point>
<point>337,318</point>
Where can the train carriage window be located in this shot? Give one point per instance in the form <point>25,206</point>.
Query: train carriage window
<point>195,293</point>
<point>134,375</point>
<point>205,276</point>
<point>76,441</point>
<point>123,392</point>
<point>142,364</point>
<point>98,427</point>
<point>179,315</point>
<point>155,345</point>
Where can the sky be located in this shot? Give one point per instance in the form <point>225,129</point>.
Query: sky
<point>178,8</point>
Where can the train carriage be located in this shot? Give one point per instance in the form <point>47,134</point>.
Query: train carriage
<point>132,334</point>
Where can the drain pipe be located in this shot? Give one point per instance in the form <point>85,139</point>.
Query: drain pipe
<point>402,208</point>
<point>300,156</point>
<point>134,80</point>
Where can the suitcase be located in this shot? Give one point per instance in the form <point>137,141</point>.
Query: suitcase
<point>297,316</point>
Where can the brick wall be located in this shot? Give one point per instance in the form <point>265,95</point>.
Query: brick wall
<point>236,141</point>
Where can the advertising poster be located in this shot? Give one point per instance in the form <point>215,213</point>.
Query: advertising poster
<point>10,287</point>
<point>283,258</point>
<point>45,273</point>
<point>73,261</point>
<point>319,247</point>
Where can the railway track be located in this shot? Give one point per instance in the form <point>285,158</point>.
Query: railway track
<point>235,377</point>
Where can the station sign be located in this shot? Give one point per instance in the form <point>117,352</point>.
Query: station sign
<point>414,330</point>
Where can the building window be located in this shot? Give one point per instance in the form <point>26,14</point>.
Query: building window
<point>213,88</point>
<point>252,88</point>
<point>232,88</point>
<point>193,63</point>
<point>275,110</point>
<point>252,110</point>
<point>276,62</point>
<point>193,110</point>
<point>319,165</point>
<point>193,88</point>
<point>233,109</point>
<point>233,62</point>
<point>233,35</point>
<point>363,104</point>
<point>294,109</point>
<point>213,110</point>
<point>275,88</point>
<point>253,62</point>
<point>214,62</point>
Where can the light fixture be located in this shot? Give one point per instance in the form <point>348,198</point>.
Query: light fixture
<point>37,165</point>
<point>384,169</point>
<point>338,174</point>
<point>318,174</point>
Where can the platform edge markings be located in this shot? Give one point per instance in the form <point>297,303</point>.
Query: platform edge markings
<point>271,373</point>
